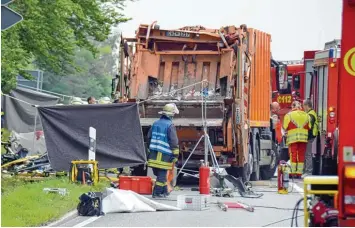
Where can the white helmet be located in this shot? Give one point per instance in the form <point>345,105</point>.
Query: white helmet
<point>76,101</point>
<point>169,110</point>
<point>105,100</point>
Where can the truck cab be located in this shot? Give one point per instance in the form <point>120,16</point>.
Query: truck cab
<point>288,84</point>
<point>281,86</point>
<point>294,80</point>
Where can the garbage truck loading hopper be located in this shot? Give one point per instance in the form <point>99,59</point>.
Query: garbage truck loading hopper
<point>168,66</point>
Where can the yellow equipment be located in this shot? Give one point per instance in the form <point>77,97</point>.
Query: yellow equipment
<point>84,172</point>
<point>19,161</point>
<point>316,180</point>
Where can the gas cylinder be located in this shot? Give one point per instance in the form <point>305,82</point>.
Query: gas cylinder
<point>204,181</point>
<point>283,177</point>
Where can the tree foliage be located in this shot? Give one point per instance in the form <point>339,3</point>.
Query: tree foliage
<point>51,32</point>
<point>94,78</point>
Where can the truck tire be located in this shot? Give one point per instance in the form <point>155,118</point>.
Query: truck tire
<point>267,172</point>
<point>255,176</point>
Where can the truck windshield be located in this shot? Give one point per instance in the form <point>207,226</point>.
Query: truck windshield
<point>285,80</point>
<point>296,82</point>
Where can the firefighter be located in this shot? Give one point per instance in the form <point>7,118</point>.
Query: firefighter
<point>163,148</point>
<point>312,135</point>
<point>296,125</point>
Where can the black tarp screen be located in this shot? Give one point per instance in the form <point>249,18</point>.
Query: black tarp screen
<point>20,116</point>
<point>119,138</point>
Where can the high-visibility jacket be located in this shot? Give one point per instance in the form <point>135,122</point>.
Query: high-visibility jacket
<point>313,132</point>
<point>163,147</point>
<point>297,124</point>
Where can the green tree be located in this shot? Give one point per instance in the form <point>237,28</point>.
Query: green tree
<point>52,31</point>
<point>94,78</point>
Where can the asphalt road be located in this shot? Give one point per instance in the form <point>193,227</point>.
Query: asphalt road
<point>272,209</point>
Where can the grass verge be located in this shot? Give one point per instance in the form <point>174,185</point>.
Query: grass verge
<point>25,204</point>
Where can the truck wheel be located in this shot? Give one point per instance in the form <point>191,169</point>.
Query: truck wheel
<point>267,172</point>
<point>255,176</point>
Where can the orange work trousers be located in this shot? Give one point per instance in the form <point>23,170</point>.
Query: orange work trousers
<point>170,178</point>
<point>297,153</point>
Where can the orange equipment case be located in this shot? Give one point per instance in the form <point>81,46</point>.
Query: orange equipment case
<point>138,184</point>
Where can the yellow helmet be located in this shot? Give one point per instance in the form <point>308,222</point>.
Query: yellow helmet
<point>169,110</point>
<point>105,100</point>
<point>76,101</point>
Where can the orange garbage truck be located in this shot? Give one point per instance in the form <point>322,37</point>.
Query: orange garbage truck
<point>160,66</point>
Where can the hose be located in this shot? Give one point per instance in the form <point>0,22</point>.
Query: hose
<point>295,212</point>
<point>282,220</point>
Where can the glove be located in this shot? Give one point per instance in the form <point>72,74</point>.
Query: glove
<point>174,160</point>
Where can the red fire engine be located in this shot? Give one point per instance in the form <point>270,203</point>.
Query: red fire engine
<point>346,119</point>
<point>294,81</point>
<point>286,84</point>
<point>324,96</point>
<point>332,89</point>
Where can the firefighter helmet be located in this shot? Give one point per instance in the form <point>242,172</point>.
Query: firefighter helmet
<point>76,101</point>
<point>169,110</point>
<point>105,100</point>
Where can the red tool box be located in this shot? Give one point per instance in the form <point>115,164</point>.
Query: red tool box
<point>138,184</point>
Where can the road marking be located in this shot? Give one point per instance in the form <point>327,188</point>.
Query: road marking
<point>87,222</point>
<point>66,216</point>
<point>298,188</point>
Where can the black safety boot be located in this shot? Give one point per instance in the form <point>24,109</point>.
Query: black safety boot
<point>158,196</point>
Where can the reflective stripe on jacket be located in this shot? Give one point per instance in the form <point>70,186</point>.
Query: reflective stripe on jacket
<point>159,139</point>
<point>297,124</point>
<point>160,160</point>
<point>313,132</point>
